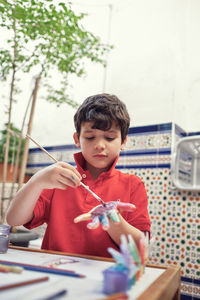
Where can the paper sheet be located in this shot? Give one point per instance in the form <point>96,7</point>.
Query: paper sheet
<point>88,288</point>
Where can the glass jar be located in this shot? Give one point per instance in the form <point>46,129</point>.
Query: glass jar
<point>4,238</point>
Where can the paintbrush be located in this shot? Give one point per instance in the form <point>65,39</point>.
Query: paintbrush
<point>54,159</point>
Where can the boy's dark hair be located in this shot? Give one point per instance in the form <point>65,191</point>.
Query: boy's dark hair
<point>103,109</point>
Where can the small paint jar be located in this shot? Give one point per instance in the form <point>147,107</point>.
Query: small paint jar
<point>115,280</point>
<point>4,238</point>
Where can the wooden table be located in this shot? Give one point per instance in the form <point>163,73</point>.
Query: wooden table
<point>157,283</point>
<point>166,287</point>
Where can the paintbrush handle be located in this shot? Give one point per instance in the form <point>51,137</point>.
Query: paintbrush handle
<point>28,136</point>
<point>54,159</point>
<point>91,192</point>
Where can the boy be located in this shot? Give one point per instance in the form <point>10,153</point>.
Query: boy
<point>54,195</point>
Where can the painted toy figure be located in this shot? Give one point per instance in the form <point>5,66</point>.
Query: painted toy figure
<point>101,214</point>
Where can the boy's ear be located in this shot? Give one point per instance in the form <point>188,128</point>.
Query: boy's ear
<point>76,140</point>
<point>123,144</point>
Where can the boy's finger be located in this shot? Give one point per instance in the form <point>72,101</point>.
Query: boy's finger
<point>121,206</point>
<point>72,170</point>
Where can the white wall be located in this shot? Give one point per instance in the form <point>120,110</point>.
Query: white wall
<point>154,67</point>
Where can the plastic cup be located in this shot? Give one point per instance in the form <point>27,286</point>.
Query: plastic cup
<point>4,238</point>
<point>115,281</point>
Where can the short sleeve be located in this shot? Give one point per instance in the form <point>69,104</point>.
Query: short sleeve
<point>139,218</point>
<point>41,210</point>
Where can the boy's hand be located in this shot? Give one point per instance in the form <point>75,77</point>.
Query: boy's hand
<point>58,175</point>
<point>101,214</point>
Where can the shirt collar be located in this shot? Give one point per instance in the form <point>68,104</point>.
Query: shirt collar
<point>80,161</point>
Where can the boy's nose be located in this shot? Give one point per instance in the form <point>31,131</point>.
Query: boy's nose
<point>100,145</point>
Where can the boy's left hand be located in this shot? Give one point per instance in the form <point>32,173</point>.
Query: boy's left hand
<point>101,214</point>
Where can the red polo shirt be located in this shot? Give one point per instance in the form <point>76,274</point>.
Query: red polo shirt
<point>58,208</point>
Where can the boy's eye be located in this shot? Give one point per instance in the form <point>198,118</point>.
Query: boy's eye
<point>109,138</point>
<point>90,138</point>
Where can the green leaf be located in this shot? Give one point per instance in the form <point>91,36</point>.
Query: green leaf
<point>48,36</point>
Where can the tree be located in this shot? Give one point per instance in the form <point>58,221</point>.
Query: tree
<point>43,35</point>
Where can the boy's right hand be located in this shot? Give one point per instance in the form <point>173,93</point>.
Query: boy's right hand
<point>59,175</point>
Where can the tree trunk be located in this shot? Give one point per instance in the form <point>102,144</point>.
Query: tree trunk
<point>8,127</point>
<point>26,146</point>
<point>18,150</point>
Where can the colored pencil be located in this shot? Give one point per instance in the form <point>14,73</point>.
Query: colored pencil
<point>43,269</point>
<point>3,269</point>
<point>22,283</point>
<point>56,295</point>
<point>117,296</point>
<point>12,269</point>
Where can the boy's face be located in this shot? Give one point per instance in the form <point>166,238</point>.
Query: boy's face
<point>99,148</point>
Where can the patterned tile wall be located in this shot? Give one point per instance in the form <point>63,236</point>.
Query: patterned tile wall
<point>37,159</point>
<point>175,214</point>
